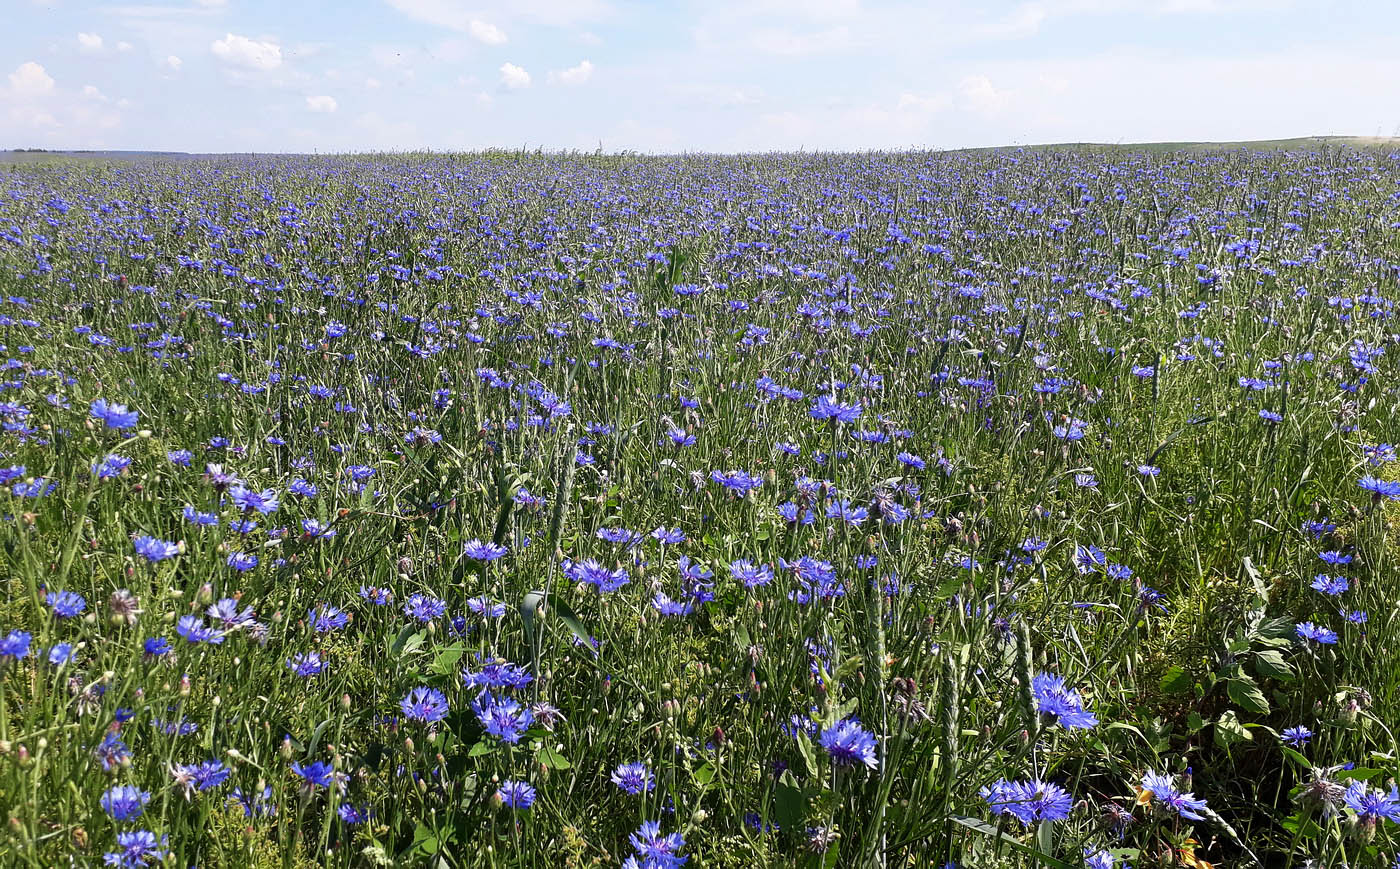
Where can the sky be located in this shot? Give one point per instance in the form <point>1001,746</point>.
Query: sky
<point>689,75</point>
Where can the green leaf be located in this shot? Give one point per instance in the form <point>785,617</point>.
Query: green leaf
<point>804,746</point>
<point>550,758</point>
<point>481,748</point>
<point>1297,757</point>
<point>447,659</point>
<point>1229,730</point>
<point>1176,681</point>
<point>1247,695</point>
<point>1271,665</point>
<point>396,648</point>
<point>425,841</point>
<point>704,774</point>
<point>790,804</point>
<point>987,829</point>
<point>1194,722</point>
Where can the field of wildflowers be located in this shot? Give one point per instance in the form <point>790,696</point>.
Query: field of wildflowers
<point>1028,508</point>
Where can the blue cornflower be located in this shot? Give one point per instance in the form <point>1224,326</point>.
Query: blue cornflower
<point>479,551</point>
<point>193,629</point>
<point>202,776</point>
<point>113,415</point>
<point>1372,805</point>
<point>502,717</point>
<point>593,573</point>
<point>326,618</point>
<point>1330,585</point>
<point>1064,704</point>
<point>1071,430</point>
<point>66,604</point>
<point>424,607</point>
<point>110,466</point>
<point>911,460</point>
<point>484,606</point>
<point>352,814</point>
<point>124,802</point>
<point>827,408</point>
<point>498,674</point>
<point>516,794</point>
<point>316,775</point>
<point>255,805</point>
<point>15,645</point>
<point>195,517</point>
<point>154,549</point>
<point>424,704</point>
<point>138,848</point>
<point>156,647</point>
<point>306,664</point>
<point>1335,557</point>
<point>225,610</point>
<point>60,654</point>
<point>1089,558</point>
<point>249,500</point>
<point>750,574</point>
<point>1297,736</point>
<point>669,536</point>
<point>655,851</point>
<point>1316,633</point>
<point>634,778</point>
<point>180,457</point>
<point>1379,489</point>
<point>377,595</point>
<point>738,482</point>
<point>668,607</point>
<point>1028,801</point>
<point>848,743</point>
<point>1099,860</point>
<point>111,751</point>
<point>241,561</point>
<point>1161,790</point>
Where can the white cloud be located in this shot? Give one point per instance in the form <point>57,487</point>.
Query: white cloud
<point>717,96</point>
<point>514,77</point>
<point>573,76</point>
<point>979,95</point>
<point>30,80</point>
<point>1024,20</point>
<point>123,46</point>
<point>33,106</point>
<point>89,43</point>
<point>371,83</point>
<point>786,43</point>
<point>211,4</point>
<point>247,53</point>
<point>453,15</point>
<point>485,32</point>
<point>174,63</point>
<point>322,104</point>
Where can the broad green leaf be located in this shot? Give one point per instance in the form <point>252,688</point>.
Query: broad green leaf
<point>1247,695</point>
<point>1229,730</point>
<point>1271,665</point>
<point>1175,681</point>
<point>551,758</point>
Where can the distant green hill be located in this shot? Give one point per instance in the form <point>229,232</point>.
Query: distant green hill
<point>1299,143</point>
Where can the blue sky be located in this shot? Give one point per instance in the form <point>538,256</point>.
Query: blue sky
<point>710,75</point>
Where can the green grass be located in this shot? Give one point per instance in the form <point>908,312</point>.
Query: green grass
<point>516,348</point>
